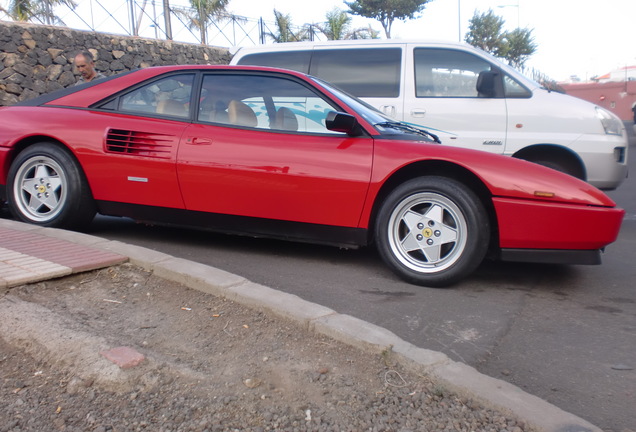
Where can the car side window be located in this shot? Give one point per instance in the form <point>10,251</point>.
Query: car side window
<point>363,72</point>
<point>512,89</point>
<point>445,73</point>
<point>263,102</point>
<point>169,96</point>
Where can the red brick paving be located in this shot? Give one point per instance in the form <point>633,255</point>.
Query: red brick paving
<point>75,256</point>
<point>27,257</point>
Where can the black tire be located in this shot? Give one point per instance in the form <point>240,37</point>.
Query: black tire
<point>432,231</point>
<point>560,165</point>
<point>46,186</point>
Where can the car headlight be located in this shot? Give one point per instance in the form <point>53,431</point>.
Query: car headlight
<point>611,123</point>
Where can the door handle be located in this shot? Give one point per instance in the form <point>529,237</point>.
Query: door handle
<point>388,110</point>
<point>198,141</point>
<point>418,112</point>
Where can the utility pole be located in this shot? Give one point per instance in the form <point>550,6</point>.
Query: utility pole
<point>166,14</point>
<point>459,20</point>
<point>133,27</point>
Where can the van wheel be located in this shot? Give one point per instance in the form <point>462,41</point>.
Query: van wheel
<point>432,231</point>
<point>46,186</point>
<point>559,164</point>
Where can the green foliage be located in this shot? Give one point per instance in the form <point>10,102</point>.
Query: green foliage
<point>285,32</point>
<point>365,33</point>
<point>337,26</point>
<point>40,10</point>
<point>486,32</point>
<point>387,11</point>
<point>519,46</point>
<point>203,13</point>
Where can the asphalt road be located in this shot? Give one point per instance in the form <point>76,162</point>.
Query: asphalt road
<point>564,333</point>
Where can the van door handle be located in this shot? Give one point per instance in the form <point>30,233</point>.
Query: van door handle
<point>418,112</point>
<point>388,110</point>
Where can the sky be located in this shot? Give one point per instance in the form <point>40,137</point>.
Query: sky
<point>585,38</point>
<point>574,37</point>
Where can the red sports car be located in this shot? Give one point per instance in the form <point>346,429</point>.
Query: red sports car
<point>267,152</point>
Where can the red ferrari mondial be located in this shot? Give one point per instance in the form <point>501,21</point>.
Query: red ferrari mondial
<point>267,152</point>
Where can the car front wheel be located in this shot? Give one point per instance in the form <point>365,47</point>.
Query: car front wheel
<point>47,187</point>
<point>432,231</point>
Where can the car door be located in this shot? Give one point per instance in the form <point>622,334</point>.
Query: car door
<point>140,131</point>
<point>442,95</point>
<point>260,149</point>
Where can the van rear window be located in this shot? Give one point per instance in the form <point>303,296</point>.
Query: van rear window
<point>362,72</point>
<point>294,60</point>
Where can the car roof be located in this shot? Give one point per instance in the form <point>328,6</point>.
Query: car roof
<point>90,93</point>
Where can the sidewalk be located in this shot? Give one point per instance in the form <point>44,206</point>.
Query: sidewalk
<point>30,254</point>
<point>27,256</point>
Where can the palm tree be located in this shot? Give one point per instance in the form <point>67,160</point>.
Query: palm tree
<point>337,25</point>
<point>365,33</point>
<point>203,13</point>
<point>41,10</point>
<point>285,32</point>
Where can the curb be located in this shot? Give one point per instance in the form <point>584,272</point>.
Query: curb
<point>456,376</point>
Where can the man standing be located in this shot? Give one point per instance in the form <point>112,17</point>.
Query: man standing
<point>85,64</point>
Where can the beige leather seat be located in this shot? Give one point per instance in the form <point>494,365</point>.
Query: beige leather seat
<point>171,107</point>
<point>286,120</point>
<point>241,115</point>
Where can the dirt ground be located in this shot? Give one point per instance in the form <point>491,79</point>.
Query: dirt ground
<point>209,365</point>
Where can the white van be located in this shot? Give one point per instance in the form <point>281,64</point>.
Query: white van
<point>467,97</point>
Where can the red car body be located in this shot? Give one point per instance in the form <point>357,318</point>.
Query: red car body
<point>299,186</point>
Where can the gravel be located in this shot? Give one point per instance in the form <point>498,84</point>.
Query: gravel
<point>210,365</point>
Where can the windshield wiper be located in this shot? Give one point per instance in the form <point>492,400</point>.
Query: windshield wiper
<point>408,128</point>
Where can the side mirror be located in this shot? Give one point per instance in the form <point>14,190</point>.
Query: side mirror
<point>486,84</point>
<point>342,122</point>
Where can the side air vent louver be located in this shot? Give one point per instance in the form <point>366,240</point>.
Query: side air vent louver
<point>139,143</point>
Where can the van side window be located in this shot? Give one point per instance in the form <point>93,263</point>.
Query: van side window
<point>447,73</point>
<point>512,89</point>
<point>294,60</point>
<point>362,72</point>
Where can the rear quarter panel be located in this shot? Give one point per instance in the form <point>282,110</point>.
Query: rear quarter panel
<point>109,175</point>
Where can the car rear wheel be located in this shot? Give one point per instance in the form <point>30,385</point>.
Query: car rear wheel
<point>432,231</point>
<point>46,186</point>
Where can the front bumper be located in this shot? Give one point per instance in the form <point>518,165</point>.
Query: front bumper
<point>543,225</point>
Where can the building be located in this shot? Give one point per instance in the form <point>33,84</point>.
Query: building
<point>615,91</point>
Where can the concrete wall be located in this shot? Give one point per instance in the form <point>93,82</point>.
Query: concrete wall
<point>37,59</point>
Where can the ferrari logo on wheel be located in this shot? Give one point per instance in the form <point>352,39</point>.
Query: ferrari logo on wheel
<point>427,232</point>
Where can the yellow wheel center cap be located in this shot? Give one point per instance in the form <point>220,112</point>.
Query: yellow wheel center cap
<point>427,232</point>
<point>41,188</point>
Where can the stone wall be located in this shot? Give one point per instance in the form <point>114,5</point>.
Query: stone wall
<point>37,59</point>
